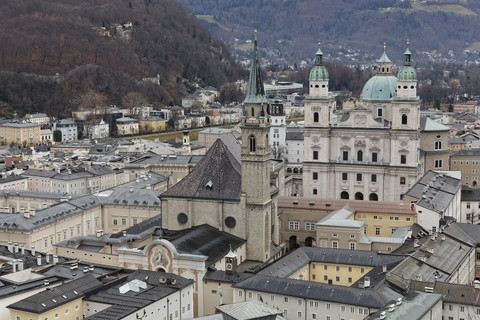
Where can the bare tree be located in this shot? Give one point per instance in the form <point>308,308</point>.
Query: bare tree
<point>279,152</point>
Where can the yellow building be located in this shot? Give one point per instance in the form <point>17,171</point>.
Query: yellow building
<point>332,266</point>
<point>61,302</point>
<point>26,134</point>
<point>152,124</point>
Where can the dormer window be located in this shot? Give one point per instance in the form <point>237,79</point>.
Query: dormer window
<point>209,185</point>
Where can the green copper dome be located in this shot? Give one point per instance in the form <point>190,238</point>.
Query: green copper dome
<point>380,88</point>
<point>407,72</point>
<point>318,72</point>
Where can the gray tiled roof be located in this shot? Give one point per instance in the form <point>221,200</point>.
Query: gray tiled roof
<point>296,259</point>
<point>223,276</point>
<point>313,290</point>
<point>435,191</point>
<point>126,303</point>
<point>205,240</point>
<point>413,307</point>
<point>452,292</point>
<point>218,168</point>
<point>56,296</point>
<point>252,309</point>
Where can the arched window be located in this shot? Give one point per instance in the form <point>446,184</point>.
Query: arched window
<point>253,112</point>
<point>358,196</point>
<point>359,155</point>
<point>252,144</point>
<point>404,119</point>
<point>438,145</point>
<point>315,117</point>
<point>373,197</point>
<point>344,195</point>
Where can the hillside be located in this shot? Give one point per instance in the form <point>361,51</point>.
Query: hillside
<point>56,55</point>
<point>293,27</point>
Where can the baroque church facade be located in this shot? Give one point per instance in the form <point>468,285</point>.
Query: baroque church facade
<point>371,152</point>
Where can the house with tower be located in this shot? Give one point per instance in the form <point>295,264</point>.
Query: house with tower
<point>370,151</point>
<point>235,188</point>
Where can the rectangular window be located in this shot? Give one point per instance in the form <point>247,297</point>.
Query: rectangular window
<point>345,155</point>
<point>402,180</point>
<point>310,226</point>
<point>374,157</point>
<point>334,244</point>
<point>379,112</point>
<point>314,316</point>
<point>374,178</point>
<point>299,314</point>
<point>337,279</point>
<point>352,245</point>
<point>315,176</point>
<point>344,176</point>
<point>350,280</point>
<point>293,225</point>
<point>362,270</point>
<point>286,299</point>
<point>124,221</point>
<point>359,177</point>
<point>115,221</point>
<point>377,231</point>
<point>403,159</point>
<point>438,164</point>
<point>328,306</point>
<point>315,155</point>
<point>325,267</point>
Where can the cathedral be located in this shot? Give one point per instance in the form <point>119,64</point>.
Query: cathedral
<point>370,152</point>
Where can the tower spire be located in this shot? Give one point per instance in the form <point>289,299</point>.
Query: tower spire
<point>319,56</point>
<point>255,90</point>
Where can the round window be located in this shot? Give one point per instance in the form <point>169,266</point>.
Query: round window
<point>182,218</point>
<point>230,222</point>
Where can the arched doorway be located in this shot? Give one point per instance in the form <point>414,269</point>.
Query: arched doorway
<point>358,196</point>
<point>293,242</point>
<point>309,242</point>
<point>373,197</point>
<point>344,195</point>
<point>474,183</point>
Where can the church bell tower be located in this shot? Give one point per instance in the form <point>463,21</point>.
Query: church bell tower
<point>255,124</point>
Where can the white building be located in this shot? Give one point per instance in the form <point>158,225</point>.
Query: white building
<point>97,130</point>
<point>38,118</point>
<point>68,129</point>
<point>277,129</point>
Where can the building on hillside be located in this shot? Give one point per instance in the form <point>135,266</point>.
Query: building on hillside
<point>282,88</point>
<point>16,133</point>
<point>152,124</point>
<point>208,136</point>
<point>127,126</point>
<point>235,190</point>
<point>371,151</point>
<point>68,128</point>
<point>46,136</point>
<point>38,118</point>
<point>467,162</point>
<point>434,144</point>
<point>98,129</point>
<point>437,198</point>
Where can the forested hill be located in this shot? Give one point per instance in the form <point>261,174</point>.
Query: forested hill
<point>293,26</point>
<point>56,54</point>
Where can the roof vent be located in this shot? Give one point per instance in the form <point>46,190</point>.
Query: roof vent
<point>391,308</point>
<point>328,204</point>
<point>399,301</point>
<point>366,282</point>
<point>311,203</point>
<point>162,280</point>
<point>295,202</point>
<point>209,185</point>
<point>75,292</point>
<point>429,289</point>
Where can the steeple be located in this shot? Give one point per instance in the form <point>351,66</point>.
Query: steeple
<point>255,90</point>
<point>407,55</point>
<point>384,63</point>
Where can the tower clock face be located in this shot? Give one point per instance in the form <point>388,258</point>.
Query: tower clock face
<point>229,266</point>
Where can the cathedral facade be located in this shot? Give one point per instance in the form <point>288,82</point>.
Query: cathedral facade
<point>370,152</point>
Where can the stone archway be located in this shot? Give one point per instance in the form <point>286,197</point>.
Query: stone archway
<point>373,197</point>
<point>358,196</point>
<point>293,242</point>
<point>344,195</point>
<point>310,242</point>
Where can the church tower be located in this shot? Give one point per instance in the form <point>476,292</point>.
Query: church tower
<point>186,141</point>
<point>255,154</point>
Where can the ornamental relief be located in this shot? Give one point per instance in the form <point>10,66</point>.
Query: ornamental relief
<point>360,119</point>
<point>160,258</point>
<point>360,143</point>
<point>316,108</point>
<point>315,139</point>
<point>403,143</point>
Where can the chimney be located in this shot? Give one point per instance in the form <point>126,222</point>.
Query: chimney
<point>20,264</point>
<point>10,246</point>
<point>99,233</point>
<point>131,188</point>
<point>44,205</point>
<point>124,233</point>
<point>55,259</point>
<point>384,268</point>
<point>22,249</point>
<point>91,268</point>
<point>391,308</point>
<point>15,248</point>
<point>26,214</point>
<point>47,258</point>
<point>32,212</point>
<point>32,250</point>
<point>14,265</point>
<point>476,284</point>
<point>149,187</point>
<point>46,282</point>
<point>137,180</point>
